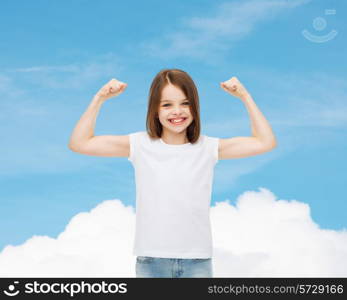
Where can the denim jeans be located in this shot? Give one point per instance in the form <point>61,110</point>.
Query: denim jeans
<point>147,266</point>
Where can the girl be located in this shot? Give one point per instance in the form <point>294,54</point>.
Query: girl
<point>173,165</point>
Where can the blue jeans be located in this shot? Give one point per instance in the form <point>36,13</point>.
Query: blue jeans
<point>147,266</point>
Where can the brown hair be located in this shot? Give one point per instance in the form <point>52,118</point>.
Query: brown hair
<point>183,81</point>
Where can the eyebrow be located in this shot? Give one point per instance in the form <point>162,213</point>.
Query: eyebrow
<point>171,100</point>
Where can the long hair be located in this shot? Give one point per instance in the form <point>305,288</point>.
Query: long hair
<point>183,81</point>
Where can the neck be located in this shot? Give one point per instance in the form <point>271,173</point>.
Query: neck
<point>175,138</point>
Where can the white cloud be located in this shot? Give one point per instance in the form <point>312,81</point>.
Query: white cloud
<point>207,37</point>
<point>259,236</point>
<point>97,243</point>
<point>267,237</point>
<point>9,88</point>
<point>71,76</point>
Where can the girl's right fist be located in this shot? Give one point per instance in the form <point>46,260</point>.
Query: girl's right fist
<point>111,89</point>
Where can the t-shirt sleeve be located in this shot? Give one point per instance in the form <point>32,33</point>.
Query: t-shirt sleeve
<point>133,143</point>
<point>213,144</point>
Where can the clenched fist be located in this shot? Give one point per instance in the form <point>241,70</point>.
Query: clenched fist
<point>234,87</point>
<point>111,89</point>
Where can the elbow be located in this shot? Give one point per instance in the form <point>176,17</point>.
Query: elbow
<point>270,145</point>
<point>76,146</point>
<point>72,147</point>
<point>272,142</point>
<point>70,144</point>
<point>273,145</point>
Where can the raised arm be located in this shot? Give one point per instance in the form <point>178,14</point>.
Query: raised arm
<point>262,139</point>
<point>83,140</point>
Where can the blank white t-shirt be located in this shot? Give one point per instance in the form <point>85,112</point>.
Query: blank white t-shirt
<point>173,195</point>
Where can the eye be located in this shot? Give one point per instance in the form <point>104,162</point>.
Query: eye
<point>185,103</point>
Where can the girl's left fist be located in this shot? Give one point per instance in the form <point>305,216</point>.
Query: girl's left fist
<point>234,87</point>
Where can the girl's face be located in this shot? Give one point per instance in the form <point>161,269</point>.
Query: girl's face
<point>174,105</point>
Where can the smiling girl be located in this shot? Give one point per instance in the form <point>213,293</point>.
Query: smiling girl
<point>174,166</point>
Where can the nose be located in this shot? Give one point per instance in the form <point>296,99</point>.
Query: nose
<point>177,109</point>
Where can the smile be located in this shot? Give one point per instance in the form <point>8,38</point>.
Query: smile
<point>177,121</point>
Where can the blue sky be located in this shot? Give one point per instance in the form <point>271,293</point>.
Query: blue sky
<point>55,55</point>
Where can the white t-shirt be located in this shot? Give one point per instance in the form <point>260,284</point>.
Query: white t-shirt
<point>173,194</point>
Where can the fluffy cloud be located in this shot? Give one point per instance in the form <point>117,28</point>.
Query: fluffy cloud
<point>267,237</point>
<point>259,236</point>
<point>207,37</point>
<point>96,243</point>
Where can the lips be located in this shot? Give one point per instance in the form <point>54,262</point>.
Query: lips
<point>177,118</point>
<point>177,123</point>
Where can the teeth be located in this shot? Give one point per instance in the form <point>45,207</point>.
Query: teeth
<point>176,120</point>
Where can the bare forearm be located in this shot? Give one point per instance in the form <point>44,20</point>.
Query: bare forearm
<point>84,130</point>
<point>261,128</point>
